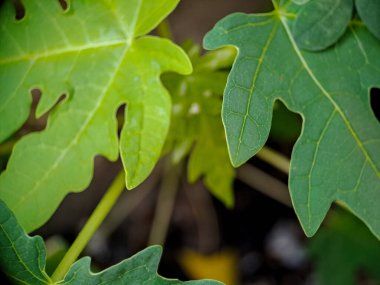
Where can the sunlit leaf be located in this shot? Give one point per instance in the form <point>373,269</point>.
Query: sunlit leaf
<point>95,54</point>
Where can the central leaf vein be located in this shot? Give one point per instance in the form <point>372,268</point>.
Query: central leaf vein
<point>328,96</point>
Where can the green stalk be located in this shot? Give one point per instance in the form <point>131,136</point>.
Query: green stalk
<point>7,147</point>
<point>165,204</point>
<point>92,224</point>
<point>264,183</point>
<point>275,159</point>
<point>164,30</point>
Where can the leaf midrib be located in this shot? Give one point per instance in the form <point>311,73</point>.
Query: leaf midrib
<point>32,57</point>
<point>328,96</point>
<point>19,257</point>
<point>253,83</point>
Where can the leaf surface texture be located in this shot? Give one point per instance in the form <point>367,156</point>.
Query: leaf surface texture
<point>337,156</point>
<point>23,259</point>
<point>94,53</point>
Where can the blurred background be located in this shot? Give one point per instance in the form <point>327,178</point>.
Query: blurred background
<point>255,241</point>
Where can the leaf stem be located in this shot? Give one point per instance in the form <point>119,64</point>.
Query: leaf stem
<point>92,224</point>
<point>7,147</point>
<point>264,183</point>
<point>165,204</point>
<point>275,159</point>
<point>164,30</point>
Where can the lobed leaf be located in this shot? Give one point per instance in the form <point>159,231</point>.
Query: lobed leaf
<point>336,157</point>
<point>23,259</point>
<point>95,54</point>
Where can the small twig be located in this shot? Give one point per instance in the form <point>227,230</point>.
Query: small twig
<point>266,184</point>
<point>92,224</point>
<point>275,159</point>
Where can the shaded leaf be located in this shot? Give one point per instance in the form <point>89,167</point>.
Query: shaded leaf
<point>337,156</point>
<point>343,250</point>
<point>369,12</point>
<point>94,54</point>
<point>23,259</point>
<point>320,23</point>
<point>196,129</point>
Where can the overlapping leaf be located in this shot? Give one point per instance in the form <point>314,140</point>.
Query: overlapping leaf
<point>95,54</point>
<point>321,23</point>
<point>343,250</point>
<point>196,129</point>
<point>369,12</point>
<point>22,259</point>
<point>337,157</point>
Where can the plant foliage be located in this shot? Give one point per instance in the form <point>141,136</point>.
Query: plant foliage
<point>23,260</point>
<point>196,129</point>
<point>95,53</point>
<point>337,156</point>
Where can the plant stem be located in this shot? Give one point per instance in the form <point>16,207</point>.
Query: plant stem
<point>165,204</point>
<point>275,159</point>
<point>92,224</point>
<point>264,183</point>
<point>7,147</point>
<point>164,31</point>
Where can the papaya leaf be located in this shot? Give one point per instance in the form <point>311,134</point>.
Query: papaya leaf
<point>369,12</point>
<point>337,156</point>
<point>23,260</point>
<point>96,54</point>
<point>343,249</point>
<point>196,129</point>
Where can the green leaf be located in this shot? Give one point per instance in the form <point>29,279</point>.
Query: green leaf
<point>344,249</point>
<point>337,156</point>
<point>369,12</point>
<point>23,259</point>
<point>196,129</point>
<point>300,2</point>
<point>320,23</point>
<point>93,53</point>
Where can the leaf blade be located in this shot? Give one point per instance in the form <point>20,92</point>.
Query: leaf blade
<point>91,62</point>
<point>329,95</point>
<point>20,251</point>
<point>369,12</point>
<point>320,24</point>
